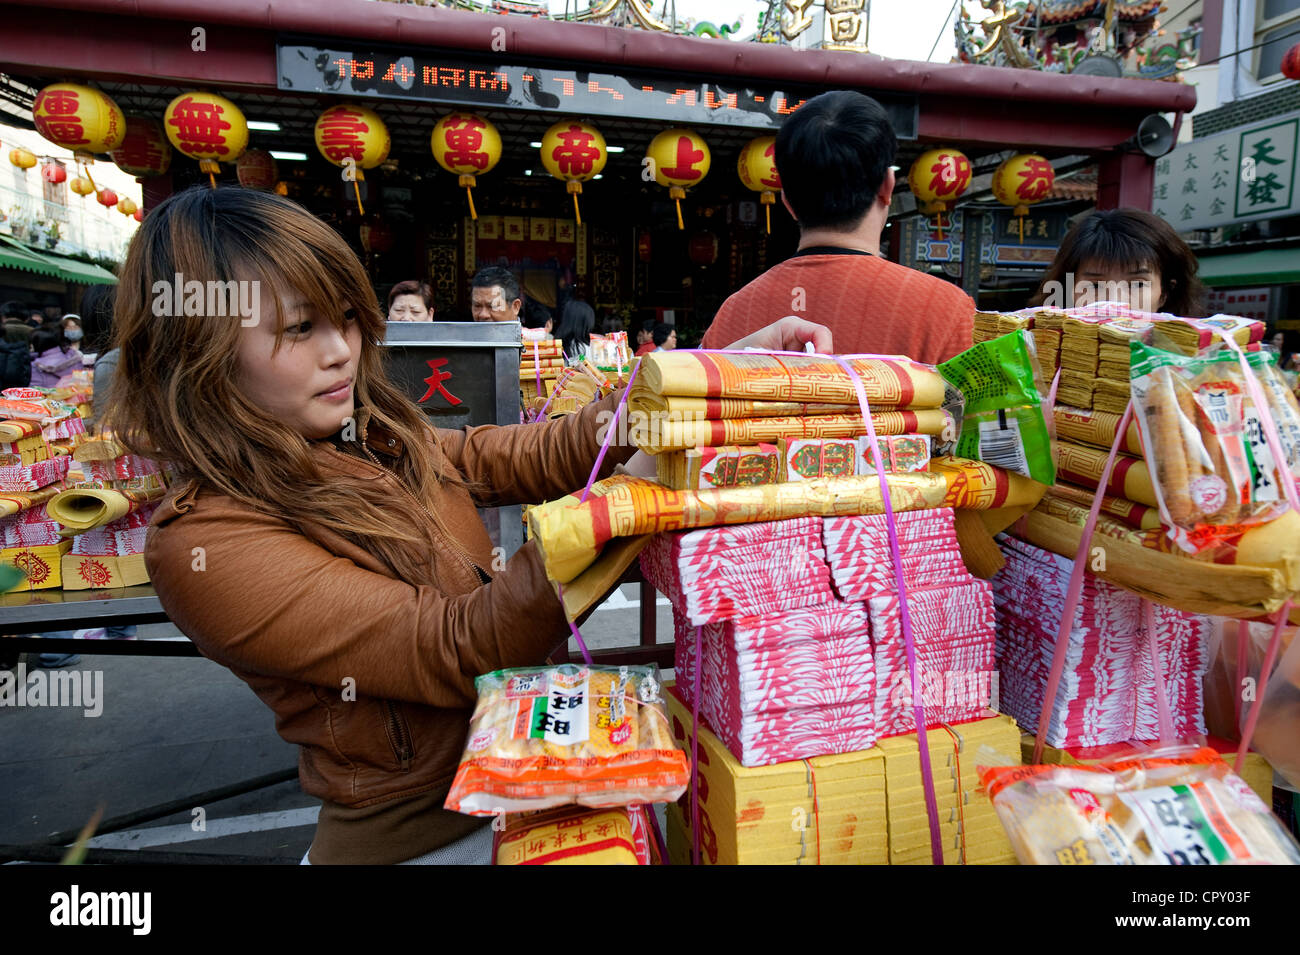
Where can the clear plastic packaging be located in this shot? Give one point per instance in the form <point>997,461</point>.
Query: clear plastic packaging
<point>1203,436</point>
<point>1178,805</point>
<point>551,736</point>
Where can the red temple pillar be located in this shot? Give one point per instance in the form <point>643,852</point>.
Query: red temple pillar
<point>1125,181</point>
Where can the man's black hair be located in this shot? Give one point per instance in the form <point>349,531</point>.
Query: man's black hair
<point>495,275</point>
<point>661,333</point>
<point>832,155</point>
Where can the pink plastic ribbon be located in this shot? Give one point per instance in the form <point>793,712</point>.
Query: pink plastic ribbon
<point>609,435</point>
<point>1243,644</point>
<point>1073,591</point>
<point>1162,694</point>
<point>1271,436</point>
<point>918,709</point>
<point>1049,417</point>
<point>1270,657</point>
<point>537,368</point>
<point>573,629</point>
<point>695,755</point>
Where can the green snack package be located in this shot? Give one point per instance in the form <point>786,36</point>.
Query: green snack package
<point>1003,424</point>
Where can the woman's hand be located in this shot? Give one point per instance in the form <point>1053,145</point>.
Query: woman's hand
<point>789,334</point>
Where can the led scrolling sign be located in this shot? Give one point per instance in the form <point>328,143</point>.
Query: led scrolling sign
<point>458,80</point>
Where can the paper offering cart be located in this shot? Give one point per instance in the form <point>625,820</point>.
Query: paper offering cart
<point>887,660</point>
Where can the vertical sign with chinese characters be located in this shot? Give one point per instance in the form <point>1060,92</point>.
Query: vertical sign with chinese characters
<point>1237,176</point>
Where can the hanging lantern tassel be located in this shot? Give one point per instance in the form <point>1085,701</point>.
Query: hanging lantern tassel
<point>211,167</point>
<point>938,225</point>
<point>356,190</point>
<point>85,168</point>
<point>1021,212</point>
<point>575,189</point>
<point>768,198</point>
<point>677,194</point>
<point>468,183</point>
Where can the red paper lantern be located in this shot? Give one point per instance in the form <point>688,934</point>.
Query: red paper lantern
<point>257,169</point>
<point>376,235</point>
<point>703,248</point>
<point>53,172</point>
<point>139,215</point>
<point>1291,63</point>
<point>107,197</point>
<point>145,150</point>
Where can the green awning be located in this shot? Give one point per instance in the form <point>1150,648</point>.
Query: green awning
<point>82,273</point>
<point>1242,269</point>
<point>15,255</point>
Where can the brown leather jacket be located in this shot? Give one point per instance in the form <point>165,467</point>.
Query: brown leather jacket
<point>303,616</point>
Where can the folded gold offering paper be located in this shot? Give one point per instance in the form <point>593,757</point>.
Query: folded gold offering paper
<point>1248,579</point>
<point>571,534</point>
<point>656,433</point>
<point>895,382</point>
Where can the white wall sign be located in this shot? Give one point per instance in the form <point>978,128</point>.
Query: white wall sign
<point>1246,173</point>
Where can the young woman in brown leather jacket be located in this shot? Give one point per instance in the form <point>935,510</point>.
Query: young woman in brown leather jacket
<point>321,540</point>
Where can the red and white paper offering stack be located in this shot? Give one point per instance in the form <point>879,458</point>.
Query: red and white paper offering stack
<point>791,669</point>
<point>783,686</point>
<point>745,570</point>
<point>951,616</point>
<point>1108,688</point>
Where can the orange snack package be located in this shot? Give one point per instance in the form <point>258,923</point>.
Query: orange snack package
<point>550,736</point>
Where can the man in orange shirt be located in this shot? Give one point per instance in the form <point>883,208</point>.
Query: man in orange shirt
<point>834,156</point>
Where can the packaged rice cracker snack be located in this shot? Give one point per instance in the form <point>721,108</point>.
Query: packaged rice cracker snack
<point>1204,441</point>
<point>552,736</point>
<point>1176,806</point>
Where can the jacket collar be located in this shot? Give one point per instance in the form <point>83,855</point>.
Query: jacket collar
<point>376,435</point>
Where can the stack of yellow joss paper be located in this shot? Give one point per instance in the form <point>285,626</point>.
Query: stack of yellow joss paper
<point>862,808</point>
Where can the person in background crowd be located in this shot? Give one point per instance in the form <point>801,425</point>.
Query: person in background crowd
<point>576,322</point>
<point>536,321</point>
<point>15,360</point>
<point>495,295</point>
<point>35,317</point>
<point>665,337</point>
<point>15,323</point>
<point>97,323</point>
<point>72,329</point>
<point>835,155</point>
<point>54,357</point>
<point>1125,255</point>
<point>410,301</point>
<point>645,338</point>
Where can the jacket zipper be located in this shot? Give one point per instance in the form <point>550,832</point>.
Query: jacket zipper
<point>401,745</point>
<point>469,566</point>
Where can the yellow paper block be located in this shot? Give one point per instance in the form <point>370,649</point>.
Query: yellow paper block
<point>81,572</point>
<point>40,564</point>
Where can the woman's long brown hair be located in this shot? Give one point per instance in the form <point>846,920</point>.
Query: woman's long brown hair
<point>175,395</point>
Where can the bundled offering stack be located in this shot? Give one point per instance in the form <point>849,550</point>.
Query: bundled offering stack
<point>784,686</point>
<point>788,668</point>
<point>540,363</point>
<point>36,435</point>
<point>747,570</point>
<point>859,808</point>
<point>1107,692</point>
<point>688,399</point>
<point>106,507</point>
<point>1246,569</point>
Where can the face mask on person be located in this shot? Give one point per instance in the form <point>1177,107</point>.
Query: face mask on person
<point>73,334</point>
